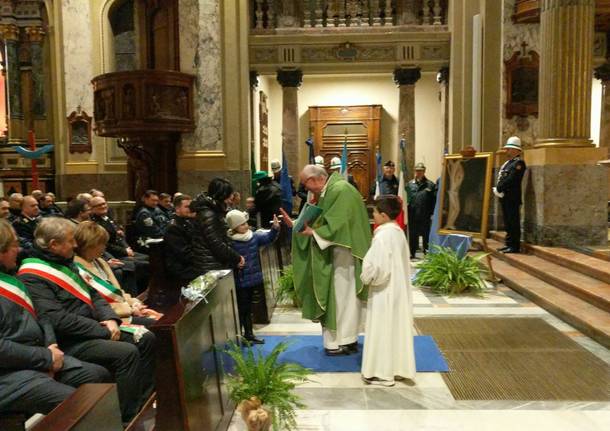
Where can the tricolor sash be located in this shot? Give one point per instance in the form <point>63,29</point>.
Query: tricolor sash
<point>103,287</point>
<point>58,274</point>
<point>14,290</point>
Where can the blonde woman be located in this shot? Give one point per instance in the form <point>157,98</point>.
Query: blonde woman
<point>91,241</point>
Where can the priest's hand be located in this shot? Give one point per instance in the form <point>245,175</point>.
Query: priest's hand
<point>307,231</point>
<point>286,218</point>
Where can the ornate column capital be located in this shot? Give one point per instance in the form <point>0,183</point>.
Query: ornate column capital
<point>9,32</point>
<point>443,76</point>
<point>602,72</point>
<point>253,79</point>
<point>35,34</point>
<point>407,76</point>
<point>290,78</point>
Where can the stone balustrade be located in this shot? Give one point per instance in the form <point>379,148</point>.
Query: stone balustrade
<point>269,16</point>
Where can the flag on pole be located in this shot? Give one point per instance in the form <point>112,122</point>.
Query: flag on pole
<point>379,174</point>
<point>402,218</point>
<point>309,143</point>
<point>286,186</point>
<point>344,159</point>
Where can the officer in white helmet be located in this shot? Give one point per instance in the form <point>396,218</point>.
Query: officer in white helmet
<point>335,166</point>
<point>508,189</point>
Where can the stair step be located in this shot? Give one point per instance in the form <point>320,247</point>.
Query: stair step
<point>587,318</point>
<point>572,259</point>
<point>590,289</point>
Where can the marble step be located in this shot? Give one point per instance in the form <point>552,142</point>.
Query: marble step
<point>592,290</point>
<point>572,259</point>
<point>587,318</point>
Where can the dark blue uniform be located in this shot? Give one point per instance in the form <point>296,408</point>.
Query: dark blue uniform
<point>509,183</point>
<point>421,197</point>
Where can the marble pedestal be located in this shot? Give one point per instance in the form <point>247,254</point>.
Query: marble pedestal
<point>565,202</point>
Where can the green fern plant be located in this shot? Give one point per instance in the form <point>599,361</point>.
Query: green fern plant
<point>286,293</point>
<point>268,380</point>
<point>446,273</point>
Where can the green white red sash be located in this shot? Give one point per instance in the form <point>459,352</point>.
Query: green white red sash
<point>103,287</point>
<point>14,290</point>
<point>58,274</point>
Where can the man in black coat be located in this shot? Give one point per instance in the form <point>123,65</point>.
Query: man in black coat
<point>388,185</point>
<point>85,325</point>
<point>508,189</point>
<point>268,200</point>
<point>35,375</point>
<point>421,197</point>
<point>177,242</point>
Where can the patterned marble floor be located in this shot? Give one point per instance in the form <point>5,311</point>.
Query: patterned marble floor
<point>341,401</point>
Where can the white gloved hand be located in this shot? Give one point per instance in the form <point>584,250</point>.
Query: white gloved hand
<point>497,193</point>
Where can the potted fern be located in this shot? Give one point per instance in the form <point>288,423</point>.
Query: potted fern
<point>445,272</point>
<point>286,293</point>
<point>263,387</point>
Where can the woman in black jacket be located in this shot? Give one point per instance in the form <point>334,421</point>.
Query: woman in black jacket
<point>211,246</point>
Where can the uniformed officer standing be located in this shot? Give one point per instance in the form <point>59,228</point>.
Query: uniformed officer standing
<point>150,222</point>
<point>388,185</point>
<point>421,197</point>
<point>508,189</point>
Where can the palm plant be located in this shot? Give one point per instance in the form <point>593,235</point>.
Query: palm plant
<point>265,379</point>
<point>447,273</point>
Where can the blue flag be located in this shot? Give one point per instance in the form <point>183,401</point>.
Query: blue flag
<point>309,143</point>
<point>378,160</point>
<point>286,186</point>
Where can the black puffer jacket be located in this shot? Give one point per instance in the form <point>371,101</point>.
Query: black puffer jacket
<point>211,246</point>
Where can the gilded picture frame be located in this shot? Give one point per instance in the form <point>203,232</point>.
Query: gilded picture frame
<point>465,192</point>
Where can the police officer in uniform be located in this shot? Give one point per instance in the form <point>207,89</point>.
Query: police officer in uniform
<point>508,189</point>
<point>389,183</point>
<point>25,224</point>
<point>421,197</point>
<point>150,222</point>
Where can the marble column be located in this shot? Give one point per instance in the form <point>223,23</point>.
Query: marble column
<point>566,191</point>
<point>443,80</point>
<point>290,80</point>
<point>566,63</point>
<point>253,87</point>
<point>35,36</point>
<point>603,74</point>
<point>406,78</point>
<point>10,34</point>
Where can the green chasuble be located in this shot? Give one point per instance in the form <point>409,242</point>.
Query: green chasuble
<point>344,222</point>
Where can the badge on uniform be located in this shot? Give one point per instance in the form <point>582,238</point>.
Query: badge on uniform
<point>148,221</point>
<point>518,167</point>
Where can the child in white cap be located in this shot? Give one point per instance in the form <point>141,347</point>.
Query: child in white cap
<point>250,277</point>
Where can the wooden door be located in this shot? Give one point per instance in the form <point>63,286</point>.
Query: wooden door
<point>360,126</point>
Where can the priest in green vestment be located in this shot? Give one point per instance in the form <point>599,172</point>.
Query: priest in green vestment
<point>327,259</point>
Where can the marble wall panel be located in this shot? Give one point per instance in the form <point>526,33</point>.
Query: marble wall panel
<point>114,185</point>
<point>564,205</point>
<point>77,49</point>
<point>514,35</point>
<point>201,55</point>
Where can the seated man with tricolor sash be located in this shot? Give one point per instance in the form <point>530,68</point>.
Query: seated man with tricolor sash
<point>35,375</point>
<point>85,325</point>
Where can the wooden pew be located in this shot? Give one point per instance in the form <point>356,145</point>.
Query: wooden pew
<point>91,407</point>
<point>191,389</point>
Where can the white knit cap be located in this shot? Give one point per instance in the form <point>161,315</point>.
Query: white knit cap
<point>335,163</point>
<point>318,161</point>
<point>513,142</point>
<point>236,217</point>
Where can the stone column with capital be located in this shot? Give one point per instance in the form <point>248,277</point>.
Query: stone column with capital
<point>566,191</point>
<point>10,34</point>
<point>406,78</point>
<point>290,80</point>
